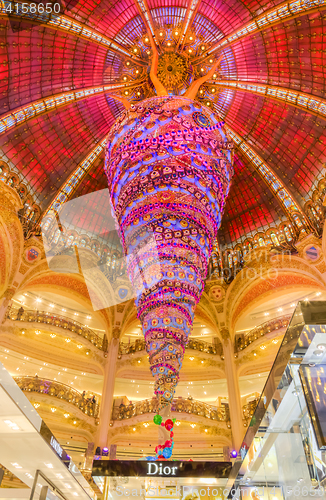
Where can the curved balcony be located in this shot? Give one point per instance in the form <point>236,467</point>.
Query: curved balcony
<point>245,340</point>
<point>10,480</point>
<point>60,391</point>
<point>60,322</point>
<point>179,405</point>
<point>198,345</point>
<point>248,410</point>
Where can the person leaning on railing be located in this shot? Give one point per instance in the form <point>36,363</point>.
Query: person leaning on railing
<point>20,312</point>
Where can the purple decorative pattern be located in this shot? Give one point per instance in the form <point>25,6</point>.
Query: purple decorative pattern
<point>169,178</point>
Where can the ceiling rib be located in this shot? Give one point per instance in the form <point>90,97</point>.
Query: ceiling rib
<point>311,104</point>
<point>189,17</point>
<point>146,16</point>
<point>66,24</point>
<point>20,115</point>
<point>74,180</point>
<point>279,14</point>
<point>274,183</point>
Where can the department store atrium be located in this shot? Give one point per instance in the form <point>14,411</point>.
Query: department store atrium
<point>163,182</point>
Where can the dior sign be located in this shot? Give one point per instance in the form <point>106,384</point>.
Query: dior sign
<point>154,469</point>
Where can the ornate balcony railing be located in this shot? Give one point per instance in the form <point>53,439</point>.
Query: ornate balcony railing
<point>242,341</point>
<point>248,409</point>
<point>179,405</point>
<point>198,345</point>
<point>60,391</point>
<point>61,322</point>
<point>9,479</point>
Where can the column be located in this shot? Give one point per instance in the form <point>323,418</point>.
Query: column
<point>5,302</point>
<point>238,430</point>
<point>108,392</point>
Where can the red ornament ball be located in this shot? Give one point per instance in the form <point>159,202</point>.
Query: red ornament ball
<point>169,424</point>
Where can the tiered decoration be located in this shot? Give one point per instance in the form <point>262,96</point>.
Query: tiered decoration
<point>169,167</point>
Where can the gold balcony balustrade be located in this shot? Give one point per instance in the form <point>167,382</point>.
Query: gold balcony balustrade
<point>10,480</point>
<point>179,405</point>
<point>60,391</point>
<point>198,345</point>
<point>244,340</point>
<point>248,410</point>
<point>48,318</point>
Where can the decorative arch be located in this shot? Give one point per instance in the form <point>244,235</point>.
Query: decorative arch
<point>68,285</point>
<point>267,286</point>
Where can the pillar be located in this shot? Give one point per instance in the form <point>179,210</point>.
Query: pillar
<point>108,392</point>
<point>237,427</point>
<point>5,303</point>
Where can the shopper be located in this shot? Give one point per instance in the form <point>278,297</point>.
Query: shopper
<point>20,312</point>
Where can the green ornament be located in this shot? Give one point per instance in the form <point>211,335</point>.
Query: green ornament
<point>173,420</point>
<point>157,419</point>
<point>253,421</point>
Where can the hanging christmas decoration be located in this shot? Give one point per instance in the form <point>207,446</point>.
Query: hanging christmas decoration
<point>169,168</point>
<point>168,164</point>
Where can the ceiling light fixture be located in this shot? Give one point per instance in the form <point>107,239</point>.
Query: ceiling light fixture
<point>12,425</point>
<point>17,466</point>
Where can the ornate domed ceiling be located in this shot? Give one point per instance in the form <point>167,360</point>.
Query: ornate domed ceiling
<point>62,76</point>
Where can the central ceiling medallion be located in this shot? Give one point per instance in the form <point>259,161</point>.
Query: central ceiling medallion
<point>174,71</point>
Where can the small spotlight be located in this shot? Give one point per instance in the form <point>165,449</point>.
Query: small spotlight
<point>234,454</point>
<point>105,452</point>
